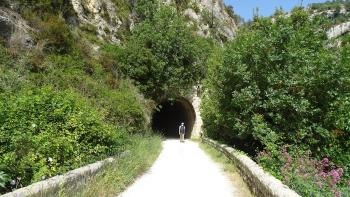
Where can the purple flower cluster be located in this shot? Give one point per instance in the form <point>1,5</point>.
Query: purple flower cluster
<point>331,176</point>
<point>322,173</point>
<point>326,173</point>
<point>300,166</point>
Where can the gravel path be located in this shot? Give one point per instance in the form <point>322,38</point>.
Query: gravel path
<point>183,170</point>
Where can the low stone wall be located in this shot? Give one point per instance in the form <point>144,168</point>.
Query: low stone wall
<point>70,180</point>
<point>260,182</point>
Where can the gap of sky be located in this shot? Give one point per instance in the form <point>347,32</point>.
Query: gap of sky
<point>245,8</point>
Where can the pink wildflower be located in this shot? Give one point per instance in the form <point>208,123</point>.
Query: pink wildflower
<point>335,174</point>
<point>340,171</point>
<point>337,194</point>
<point>325,160</point>
<point>323,175</point>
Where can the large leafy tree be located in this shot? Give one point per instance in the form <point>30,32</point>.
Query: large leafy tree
<point>278,83</point>
<point>164,56</point>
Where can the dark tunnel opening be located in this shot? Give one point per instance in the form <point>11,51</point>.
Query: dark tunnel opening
<point>167,119</point>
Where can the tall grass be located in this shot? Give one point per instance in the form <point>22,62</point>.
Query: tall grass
<point>229,168</point>
<point>143,151</point>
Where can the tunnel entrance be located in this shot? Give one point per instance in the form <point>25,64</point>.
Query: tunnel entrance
<point>169,115</point>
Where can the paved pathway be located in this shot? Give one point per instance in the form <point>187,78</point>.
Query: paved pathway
<point>183,170</point>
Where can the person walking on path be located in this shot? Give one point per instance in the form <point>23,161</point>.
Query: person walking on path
<point>182,131</point>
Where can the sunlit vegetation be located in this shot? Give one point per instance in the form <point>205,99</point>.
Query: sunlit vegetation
<point>278,90</point>
<point>65,104</point>
<point>61,107</point>
<point>163,55</point>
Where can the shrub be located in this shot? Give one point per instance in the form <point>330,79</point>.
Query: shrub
<point>56,33</point>
<point>117,98</point>
<point>181,5</point>
<point>64,7</point>
<point>12,73</point>
<point>145,9</point>
<point>5,58</point>
<point>124,8</point>
<point>345,40</point>
<point>46,132</point>
<point>3,179</point>
<point>89,28</point>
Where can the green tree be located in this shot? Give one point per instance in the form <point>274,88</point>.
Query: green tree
<point>277,83</point>
<point>164,56</point>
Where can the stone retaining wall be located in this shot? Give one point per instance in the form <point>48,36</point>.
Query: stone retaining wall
<point>260,182</point>
<point>70,180</point>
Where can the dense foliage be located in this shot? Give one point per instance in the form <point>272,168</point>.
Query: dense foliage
<point>163,55</point>
<point>44,132</point>
<point>277,83</point>
<point>61,107</point>
<point>118,99</point>
<point>64,104</point>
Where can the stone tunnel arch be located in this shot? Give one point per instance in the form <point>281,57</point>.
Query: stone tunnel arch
<point>170,113</point>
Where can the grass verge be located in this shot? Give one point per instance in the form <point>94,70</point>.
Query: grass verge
<point>229,168</point>
<point>113,180</point>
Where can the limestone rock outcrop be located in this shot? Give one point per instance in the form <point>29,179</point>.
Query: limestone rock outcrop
<point>101,14</point>
<point>14,30</point>
<point>339,30</point>
<point>104,15</point>
<point>107,18</point>
<point>200,11</point>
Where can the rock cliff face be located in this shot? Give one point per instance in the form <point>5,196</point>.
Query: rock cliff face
<point>206,14</point>
<point>215,10</point>
<point>107,18</point>
<point>14,30</point>
<point>338,30</point>
<point>102,14</point>
<point>338,13</point>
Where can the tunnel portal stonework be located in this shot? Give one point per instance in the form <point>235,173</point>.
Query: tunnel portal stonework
<point>169,114</point>
<point>197,127</point>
